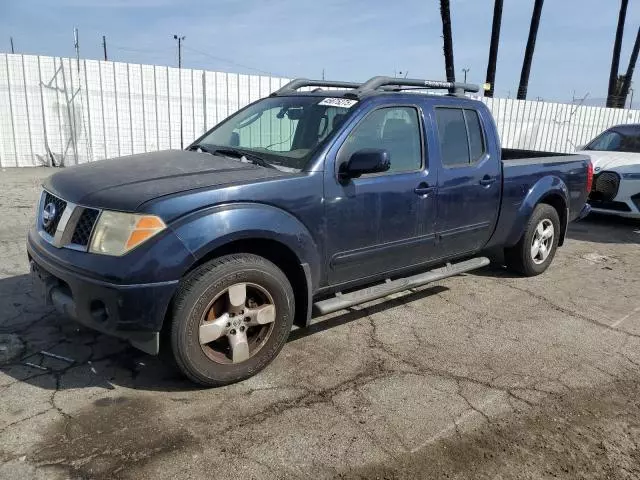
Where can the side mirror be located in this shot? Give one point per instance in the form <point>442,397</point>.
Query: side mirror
<point>235,139</point>
<point>367,160</point>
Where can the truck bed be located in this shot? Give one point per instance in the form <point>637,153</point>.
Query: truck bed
<point>517,156</point>
<point>525,170</point>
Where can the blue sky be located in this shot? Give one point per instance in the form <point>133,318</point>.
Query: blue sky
<point>350,39</point>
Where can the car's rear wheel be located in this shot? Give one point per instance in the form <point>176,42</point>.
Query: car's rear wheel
<point>231,317</point>
<point>533,254</point>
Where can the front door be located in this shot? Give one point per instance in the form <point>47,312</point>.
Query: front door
<point>380,222</point>
<point>469,182</point>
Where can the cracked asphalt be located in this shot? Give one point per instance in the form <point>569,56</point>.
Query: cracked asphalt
<point>485,375</point>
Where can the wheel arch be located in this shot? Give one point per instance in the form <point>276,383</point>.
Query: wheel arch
<point>550,190</point>
<point>261,229</point>
<point>297,271</point>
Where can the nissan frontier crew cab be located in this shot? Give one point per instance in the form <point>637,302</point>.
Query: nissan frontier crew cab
<point>303,202</point>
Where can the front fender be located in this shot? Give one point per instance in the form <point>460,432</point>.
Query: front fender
<point>544,187</point>
<point>205,230</point>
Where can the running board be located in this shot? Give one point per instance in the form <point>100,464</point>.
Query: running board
<point>342,301</point>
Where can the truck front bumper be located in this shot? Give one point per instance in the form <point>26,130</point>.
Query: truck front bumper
<point>131,312</point>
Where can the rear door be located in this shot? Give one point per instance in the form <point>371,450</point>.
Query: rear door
<point>469,181</point>
<point>380,222</point>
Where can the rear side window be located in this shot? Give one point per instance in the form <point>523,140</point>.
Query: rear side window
<point>460,136</point>
<point>476,140</point>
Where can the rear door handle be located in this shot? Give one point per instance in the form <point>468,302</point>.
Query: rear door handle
<point>487,180</point>
<point>423,189</point>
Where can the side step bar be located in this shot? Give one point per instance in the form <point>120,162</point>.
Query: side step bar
<point>342,301</point>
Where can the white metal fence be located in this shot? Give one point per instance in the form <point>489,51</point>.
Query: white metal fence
<point>57,111</point>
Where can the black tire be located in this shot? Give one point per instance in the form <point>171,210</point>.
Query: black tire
<point>519,258</point>
<point>194,296</point>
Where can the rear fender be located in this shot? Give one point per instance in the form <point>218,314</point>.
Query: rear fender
<point>544,189</point>
<point>208,229</point>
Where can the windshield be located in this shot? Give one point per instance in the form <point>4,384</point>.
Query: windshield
<point>616,141</point>
<point>283,131</point>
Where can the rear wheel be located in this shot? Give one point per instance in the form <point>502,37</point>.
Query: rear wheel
<point>231,318</point>
<point>533,254</point>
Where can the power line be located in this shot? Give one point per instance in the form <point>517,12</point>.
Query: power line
<point>231,62</point>
<point>139,50</point>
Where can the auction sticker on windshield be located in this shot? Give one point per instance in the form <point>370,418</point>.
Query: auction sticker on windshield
<point>338,102</point>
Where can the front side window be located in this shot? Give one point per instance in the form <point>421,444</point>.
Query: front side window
<point>283,131</point>
<point>394,129</point>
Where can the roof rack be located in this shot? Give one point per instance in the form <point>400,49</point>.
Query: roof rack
<point>456,88</point>
<point>380,82</point>
<point>293,85</point>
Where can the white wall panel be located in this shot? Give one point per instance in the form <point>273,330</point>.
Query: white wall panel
<point>53,110</point>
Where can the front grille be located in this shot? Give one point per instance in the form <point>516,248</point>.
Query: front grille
<point>84,227</point>
<point>55,205</point>
<point>636,200</point>
<point>605,186</point>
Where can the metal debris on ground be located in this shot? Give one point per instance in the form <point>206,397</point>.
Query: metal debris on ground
<point>39,367</point>
<point>58,357</point>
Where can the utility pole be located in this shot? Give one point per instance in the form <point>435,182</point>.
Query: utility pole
<point>465,70</point>
<point>323,74</point>
<point>104,47</point>
<point>179,39</point>
<point>11,40</point>
<point>77,47</point>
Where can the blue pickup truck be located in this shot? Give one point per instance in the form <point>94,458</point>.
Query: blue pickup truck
<point>309,201</point>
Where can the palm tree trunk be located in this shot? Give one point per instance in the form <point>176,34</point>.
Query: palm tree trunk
<point>493,48</point>
<point>528,53</point>
<point>615,59</point>
<point>626,84</point>
<point>448,41</point>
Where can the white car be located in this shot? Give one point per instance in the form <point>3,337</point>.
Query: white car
<point>615,155</point>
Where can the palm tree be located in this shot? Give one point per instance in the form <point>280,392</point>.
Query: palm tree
<point>528,53</point>
<point>615,60</point>
<point>448,41</point>
<point>626,83</point>
<point>493,48</point>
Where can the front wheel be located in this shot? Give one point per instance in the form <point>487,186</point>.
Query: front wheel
<point>533,254</point>
<point>231,317</point>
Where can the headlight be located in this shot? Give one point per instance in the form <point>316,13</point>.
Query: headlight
<point>631,176</point>
<point>117,233</point>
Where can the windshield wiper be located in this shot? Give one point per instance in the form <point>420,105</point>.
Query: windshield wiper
<point>232,152</point>
<point>202,147</point>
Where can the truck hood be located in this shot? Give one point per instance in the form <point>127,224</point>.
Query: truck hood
<point>127,182</point>
<point>612,160</point>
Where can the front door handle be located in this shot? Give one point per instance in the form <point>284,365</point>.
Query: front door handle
<point>487,180</point>
<point>423,189</point>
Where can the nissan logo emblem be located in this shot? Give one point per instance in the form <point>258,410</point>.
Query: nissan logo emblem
<point>48,214</point>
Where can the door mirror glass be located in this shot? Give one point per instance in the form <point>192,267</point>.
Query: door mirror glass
<point>366,160</point>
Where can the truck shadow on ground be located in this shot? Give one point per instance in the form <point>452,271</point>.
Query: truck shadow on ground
<point>100,361</point>
<point>605,229</point>
<point>595,228</point>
